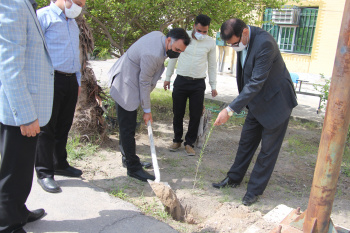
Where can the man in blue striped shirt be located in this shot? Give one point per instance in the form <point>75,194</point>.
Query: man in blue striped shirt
<point>62,37</point>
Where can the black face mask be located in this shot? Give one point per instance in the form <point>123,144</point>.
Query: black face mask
<point>172,54</point>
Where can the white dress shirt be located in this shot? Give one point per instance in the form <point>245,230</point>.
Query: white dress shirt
<point>198,58</point>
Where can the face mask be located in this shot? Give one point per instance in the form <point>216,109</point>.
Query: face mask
<point>200,36</point>
<point>73,12</point>
<point>172,54</point>
<point>240,47</point>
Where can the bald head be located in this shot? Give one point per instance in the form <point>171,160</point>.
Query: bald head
<point>232,27</point>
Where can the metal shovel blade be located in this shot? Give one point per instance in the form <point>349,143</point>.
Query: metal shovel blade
<point>162,189</point>
<point>153,153</point>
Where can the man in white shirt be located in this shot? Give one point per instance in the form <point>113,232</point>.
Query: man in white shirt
<point>199,57</point>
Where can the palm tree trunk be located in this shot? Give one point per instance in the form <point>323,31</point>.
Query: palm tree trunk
<point>88,118</point>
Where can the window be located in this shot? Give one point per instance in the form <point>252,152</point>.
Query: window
<point>286,38</point>
<point>290,37</point>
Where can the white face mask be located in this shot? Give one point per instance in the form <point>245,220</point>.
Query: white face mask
<point>240,47</point>
<point>200,36</point>
<point>73,12</point>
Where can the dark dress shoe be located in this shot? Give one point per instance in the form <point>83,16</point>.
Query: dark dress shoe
<point>249,198</point>
<point>141,175</point>
<point>143,164</point>
<point>49,185</point>
<point>17,229</point>
<point>227,182</point>
<point>35,215</point>
<point>69,171</point>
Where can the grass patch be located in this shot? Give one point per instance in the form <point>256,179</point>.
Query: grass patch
<point>162,105</point>
<point>173,162</point>
<point>120,194</point>
<point>153,208</point>
<point>78,150</point>
<point>301,146</point>
<point>306,124</point>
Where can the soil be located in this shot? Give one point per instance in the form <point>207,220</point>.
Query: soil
<point>209,209</point>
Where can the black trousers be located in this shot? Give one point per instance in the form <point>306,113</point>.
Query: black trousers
<point>271,141</point>
<point>127,127</point>
<point>16,176</point>
<point>194,91</point>
<point>51,150</point>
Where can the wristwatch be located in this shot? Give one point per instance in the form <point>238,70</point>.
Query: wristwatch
<point>229,111</point>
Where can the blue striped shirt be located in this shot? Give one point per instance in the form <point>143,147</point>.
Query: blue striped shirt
<point>62,38</point>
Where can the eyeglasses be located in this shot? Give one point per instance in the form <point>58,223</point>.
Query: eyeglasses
<point>237,43</point>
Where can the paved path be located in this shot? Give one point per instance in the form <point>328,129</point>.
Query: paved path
<point>82,207</point>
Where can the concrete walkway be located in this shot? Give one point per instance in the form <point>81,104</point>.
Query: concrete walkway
<point>84,208</point>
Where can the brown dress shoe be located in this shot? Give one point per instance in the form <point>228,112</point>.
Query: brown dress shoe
<point>175,146</point>
<point>189,150</point>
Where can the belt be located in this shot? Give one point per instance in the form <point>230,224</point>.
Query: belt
<point>63,73</point>
<point>189,78</point>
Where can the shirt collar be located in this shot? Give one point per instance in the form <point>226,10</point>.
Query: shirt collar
<point>249,38</point>
<point>55,9</point>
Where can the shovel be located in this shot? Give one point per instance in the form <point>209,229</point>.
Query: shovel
<point>162,189</point>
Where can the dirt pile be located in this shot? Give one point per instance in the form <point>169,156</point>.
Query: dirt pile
<point>169,199</point>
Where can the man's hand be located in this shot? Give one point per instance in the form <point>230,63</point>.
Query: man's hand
<point>79,90</point>
<point>214,93</point>
<point>166,85</point>
<point>30,130</point>
<point>222,117</point>
<point>147,117</point>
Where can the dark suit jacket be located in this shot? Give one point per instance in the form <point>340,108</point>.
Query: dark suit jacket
<point>264,83</point>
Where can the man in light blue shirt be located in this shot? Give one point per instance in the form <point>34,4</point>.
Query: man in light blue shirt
<point>26,93</point>
<point>62,37</point>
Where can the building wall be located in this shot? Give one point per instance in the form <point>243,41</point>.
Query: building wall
<point>325,41</point>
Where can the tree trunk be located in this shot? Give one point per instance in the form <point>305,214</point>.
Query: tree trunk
<point>88,118</point>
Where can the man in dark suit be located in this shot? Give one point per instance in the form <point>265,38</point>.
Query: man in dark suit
<point>266,89</point>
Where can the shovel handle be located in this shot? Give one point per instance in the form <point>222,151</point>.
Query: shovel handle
<point>153,153</point>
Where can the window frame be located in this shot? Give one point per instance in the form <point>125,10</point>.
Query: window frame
<point>291,50</point>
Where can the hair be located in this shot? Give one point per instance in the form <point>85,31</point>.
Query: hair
<point>232,27</point>
<point>179,34</point>
<point>204,20</point>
